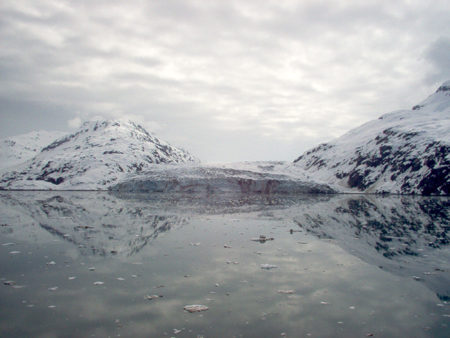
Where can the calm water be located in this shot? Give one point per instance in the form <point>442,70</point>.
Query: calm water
<point>82,265</point>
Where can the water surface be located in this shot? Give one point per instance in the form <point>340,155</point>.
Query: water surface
<point>81,264</point>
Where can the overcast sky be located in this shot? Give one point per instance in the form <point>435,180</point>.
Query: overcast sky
<point>226,80</point>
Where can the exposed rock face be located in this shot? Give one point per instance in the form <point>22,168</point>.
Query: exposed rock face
<point>406,152</point>
<point>99,154</point>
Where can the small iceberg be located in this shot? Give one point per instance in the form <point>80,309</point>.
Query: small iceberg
<point>267,266</point>
<point>195,308</point>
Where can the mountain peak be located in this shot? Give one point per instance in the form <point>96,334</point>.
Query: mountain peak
<point>438,101</point>
<point>99,153</point>
<point>445,87</point>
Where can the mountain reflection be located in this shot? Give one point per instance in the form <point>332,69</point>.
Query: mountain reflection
<point>405,235</point>
<point>97,223</point>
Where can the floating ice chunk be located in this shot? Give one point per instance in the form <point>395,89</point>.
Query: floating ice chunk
<point>262,239</point>
<point>53,288</point>
<point>267,266</point>
<point>152,297</point>
<point>70,278</point>
<point>7,244</point>
<point>9,282</point>
<point>14,252</point>
<point>286,292</point>
<point>195,308</point>
<point>99,283</point>
<point>91,269</point>
<point>120,278</point>
<point>195,244</point>
<point>51,263</point>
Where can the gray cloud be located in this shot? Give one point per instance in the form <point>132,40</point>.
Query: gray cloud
<point>234,80</point>
<point>438,54</point>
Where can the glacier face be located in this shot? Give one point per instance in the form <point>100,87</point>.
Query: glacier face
<point>247,177</point>
<point>405,152</point>
<point>100,153</point>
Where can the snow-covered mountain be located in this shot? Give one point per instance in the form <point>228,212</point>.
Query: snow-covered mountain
<point>96,156</point>
<point>18,149</point>
<point>406,152</point>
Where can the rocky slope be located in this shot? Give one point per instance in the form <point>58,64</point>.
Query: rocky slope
<point>405,152</point>
<point>99,154</point>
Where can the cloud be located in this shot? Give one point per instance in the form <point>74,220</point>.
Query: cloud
<point>285,71</point>
<point>75,122</point>
<point>438,54</point>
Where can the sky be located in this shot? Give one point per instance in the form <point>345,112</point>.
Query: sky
<point>227,80</point>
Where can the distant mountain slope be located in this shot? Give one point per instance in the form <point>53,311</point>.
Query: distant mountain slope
<point>99,154</point>
<point>18,149</point>
<point>406,152</point>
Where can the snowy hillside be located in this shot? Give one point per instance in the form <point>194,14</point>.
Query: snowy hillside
<point>406,152</point>
<point>18,149</point>
<point>99,154</point>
